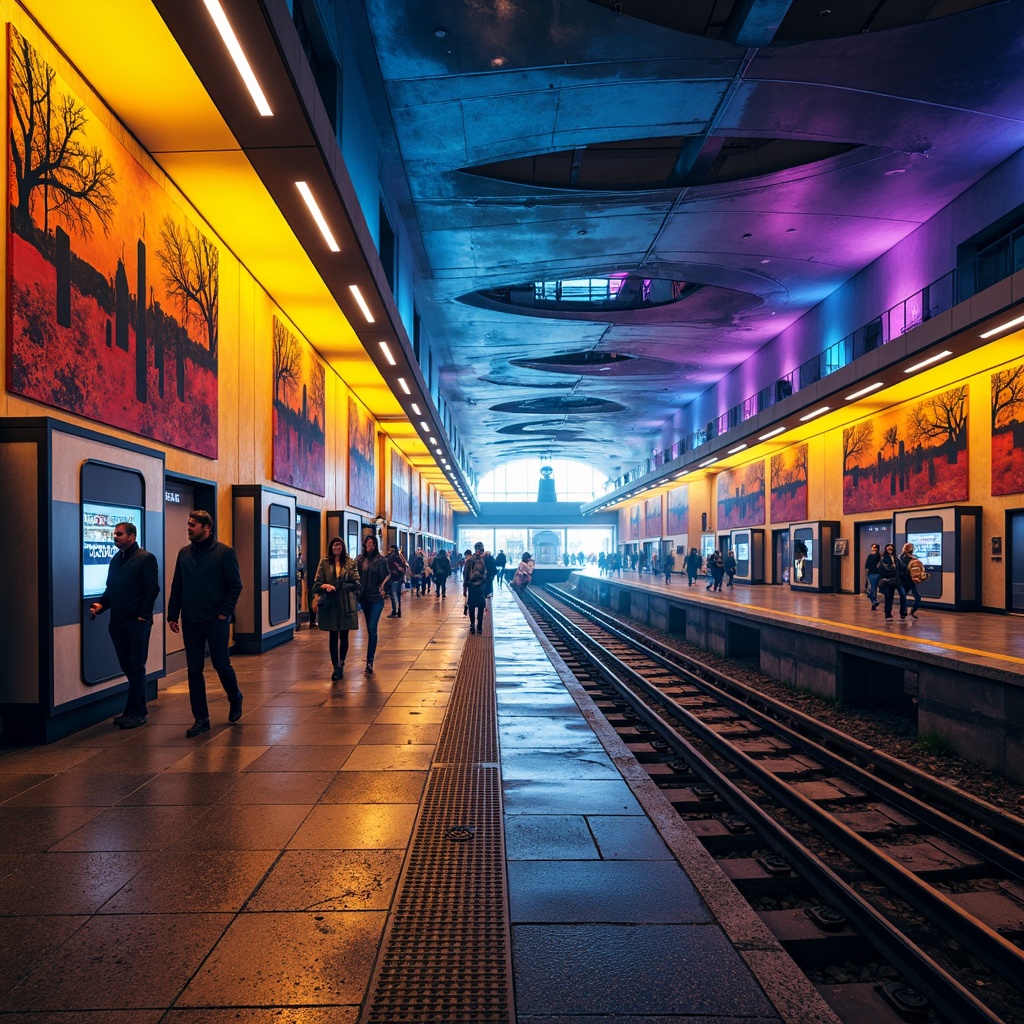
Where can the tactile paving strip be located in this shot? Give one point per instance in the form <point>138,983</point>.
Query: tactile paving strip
<point>445,957</point>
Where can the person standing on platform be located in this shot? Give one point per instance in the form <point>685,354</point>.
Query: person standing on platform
<point>716,570</point>
<point>133,583</point>
<point>204,592</point>
<point>373,580</point>
<point>913,574</point>
<point>492,571</point>
<point>474,587</point>
<point>500,561</point>
<point>730,567</point>
<point>889,580</point>
<point>442,570</point>
<point>668,563</point>
<point>416,565</point>
<point>524,574</point>
<point>336,586</point>
<point>398,567</point>
<point>871,571</point>
<point>692,567</point>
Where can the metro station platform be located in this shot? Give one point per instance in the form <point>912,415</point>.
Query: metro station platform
<point>963,670</point>
<point>458,837</point>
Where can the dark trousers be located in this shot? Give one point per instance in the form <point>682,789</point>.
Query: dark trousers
<point>131,645</point>
<point>442,584</point>
<point>890,588</point>
<point>337,643</point>
<point>371,611</point>
<point>477,604</point>
<point>197,635</point>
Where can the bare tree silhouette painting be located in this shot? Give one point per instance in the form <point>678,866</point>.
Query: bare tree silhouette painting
<point>741,496</point>
<point>1007,429</point>
<point>789,485</point>
<point>49,155</point>
<point>857,441</point>
<point>287,363</point>
<point>190,264</point>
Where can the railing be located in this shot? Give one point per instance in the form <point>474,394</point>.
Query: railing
<point>996,262</point>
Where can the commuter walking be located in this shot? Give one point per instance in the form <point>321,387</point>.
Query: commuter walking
<point>397,567</point>
<point>889,580</point>
<point>692,567</point>
<point>668,563</point>
<point>416,565</point>
<point>204,591</point>
<point>492,571</point>
<point>913,574</point>
<point>729,565</point>
<point>871,571</point>
<point>524,574</point>
<point>337,587</point>
<point>474,587</point>
<point>500,561</point>
<point>442,568</point>
<point>133,583</point>
<point>373,578</point>
<point>716,571</point>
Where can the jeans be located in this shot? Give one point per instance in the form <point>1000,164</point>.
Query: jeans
<point>131,645</point>
<point>197,635</point>
<point>441,583</point>
<point>395,591</point>
<point>873,579</point>
<point>372,611</point>
<point>889,589</point>
<point>912,589</point>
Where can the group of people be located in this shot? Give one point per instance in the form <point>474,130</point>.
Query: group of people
<point>894,574</point>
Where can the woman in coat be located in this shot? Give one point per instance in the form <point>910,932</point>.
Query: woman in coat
<point>335,588</point>
<point>524,574</point>
<point>373,578</point>
<point>871,571</point>
<point>889,579</point>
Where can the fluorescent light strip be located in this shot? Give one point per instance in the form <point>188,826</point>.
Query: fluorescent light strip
<point>387,353</point>
<point>771,433</point>
<point>866,391</point>
<point>707,462</point>
<point>928,362</point>
<point>415,408</point>
<point>403,385</point>
<point>433,440</point>
<point>425,426</point>
<point>361,302</point>
<point>321,223</point>
<point>738,448</point>
<point>816,412</point>
<point>227,33</point>
<point>1003,327</point>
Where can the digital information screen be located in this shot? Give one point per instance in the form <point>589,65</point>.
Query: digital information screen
<point>279,538</point>
<point>98,548</point>
<point>927,547</point>
<point>742,552</point>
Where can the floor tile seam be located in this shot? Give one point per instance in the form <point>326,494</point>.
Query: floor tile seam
<point>744,930</point>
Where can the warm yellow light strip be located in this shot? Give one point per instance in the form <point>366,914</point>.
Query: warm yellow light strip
<point>227,33</point>
<point>321,223</point>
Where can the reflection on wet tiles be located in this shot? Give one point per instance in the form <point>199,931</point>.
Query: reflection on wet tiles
<point>620,838</point>
<point>547,732</point>
<point>558,765</point>
<point>569,797</point>
<point>330,880</point>
<point>549,837</point>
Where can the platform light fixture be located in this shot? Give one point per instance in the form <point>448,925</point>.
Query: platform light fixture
<point>425,426</point>
<point>815,412</point>
<point>403,385</point>
<point>227,33</point>
<point>385,348</point>
<point>1003,327</point>
<point>928,362</point>
<point>307,195</point>
<point>433,440</point>
<point>865,391</point>
<point>738,448</point>
<point>771,433</point>
<point>361,302</point>
<point>415,408</point>
<point>707,462</point>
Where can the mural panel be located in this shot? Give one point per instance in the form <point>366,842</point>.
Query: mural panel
<point>634,522</point>
<point>741,496</point>
<point>113,292</point>
<point>361,457</point>
<point>1008,430</point>
<point>400,504</point>
<point>678,513</point>
<point>789,485</point>
<point>300,456</point>
<point>652,517</point>
<point>915,454</point>
<point>414,502</point>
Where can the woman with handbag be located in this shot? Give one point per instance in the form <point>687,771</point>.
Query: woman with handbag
<point>336,587</point>
<point>373,580</point>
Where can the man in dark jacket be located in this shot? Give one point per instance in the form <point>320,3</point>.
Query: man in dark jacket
<point>204,592</point>
<point>442,569</point>
<point>133,582</point>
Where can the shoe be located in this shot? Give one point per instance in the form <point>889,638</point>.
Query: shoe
<point>236,710</point>
<point>200,725</point>
<point>913,615</point>
<point>393,615</point>
<point>874,605</point>
<point>399,615</point>
<point>472,630</point>
<point>335,676</point>
<point>903,615</point>
<point>369,667</point>
<point>465,609</point>
<point>118,719</point>
<point>132,721</point>
<point>888,618</point>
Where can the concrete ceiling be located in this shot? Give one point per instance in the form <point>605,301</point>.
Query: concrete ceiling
<point>912,115</point>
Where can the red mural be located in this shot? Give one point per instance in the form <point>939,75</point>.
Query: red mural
<point>741,496</point>
<point>913,455</point>
<point>1008,430</point>
<point>113,293</point>
<point>300,455</point>
<point>788,485</point>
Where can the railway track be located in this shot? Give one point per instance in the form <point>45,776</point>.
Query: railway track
<point>876,859</point>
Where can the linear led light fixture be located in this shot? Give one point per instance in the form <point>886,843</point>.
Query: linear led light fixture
<point>387,353</point>
<point>425,425</point>
<point>227,33</point>
<point>738,448</point>
<point>438,450</point>
<point>771,433</point>
<point>815,412</point>
<point>866,391</point>
<point>928,362</point>
<point>361,302</point>
<point>433,440</point>
<point>707,462</point>
<point>1003,327</point>
<point>403,385</point>
<point>415,408</point>
<point>321,223</point>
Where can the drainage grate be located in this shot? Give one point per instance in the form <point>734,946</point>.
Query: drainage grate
<point>446,955</point>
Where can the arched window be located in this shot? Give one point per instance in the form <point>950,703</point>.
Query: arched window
<point>518,480</point>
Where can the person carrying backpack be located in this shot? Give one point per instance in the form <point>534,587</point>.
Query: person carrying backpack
<point>474,586</point>
<point>914,574</point>
<point>442,569</point>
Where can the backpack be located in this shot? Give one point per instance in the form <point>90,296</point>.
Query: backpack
<point>916,569</point>
<point>477,572</point>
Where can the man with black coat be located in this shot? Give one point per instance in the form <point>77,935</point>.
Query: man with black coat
<point>204,592</point>
<point>133,583</point>
<point>442,569</point>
